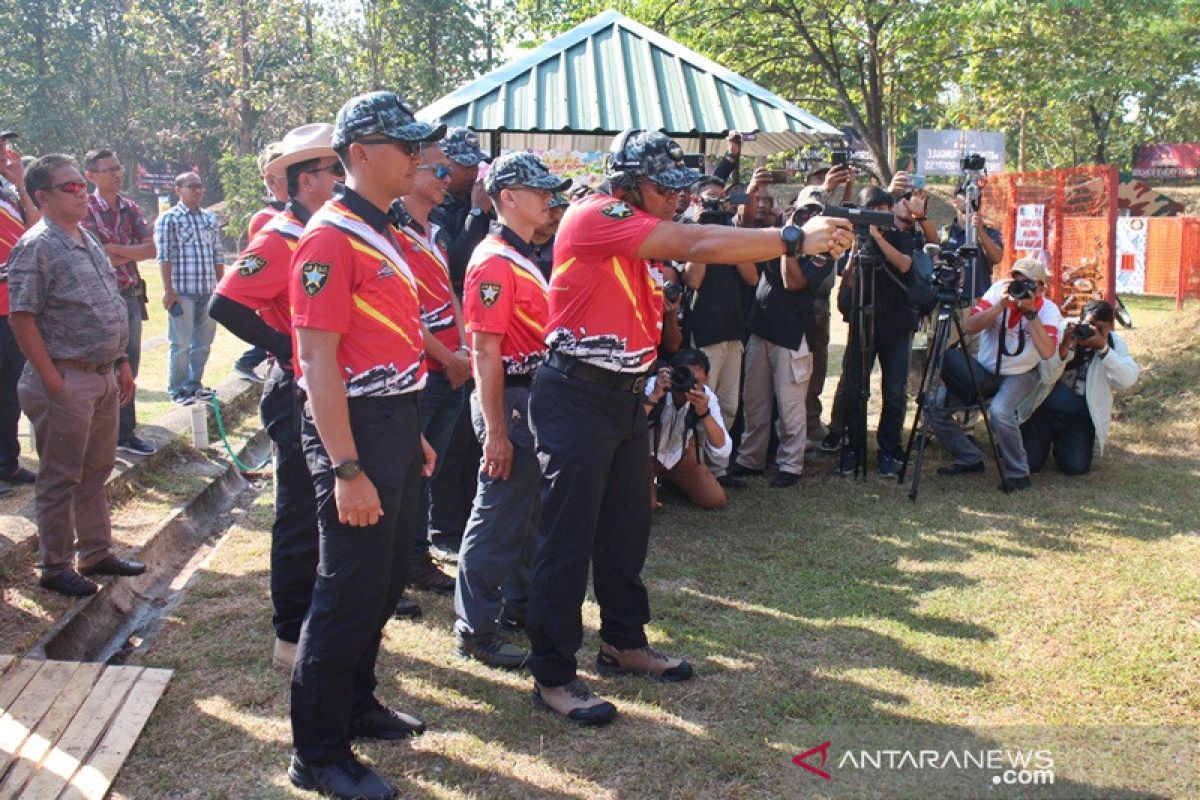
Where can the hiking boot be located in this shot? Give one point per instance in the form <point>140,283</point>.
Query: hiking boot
<point>784,480</point>
<point>831,443</point>
<point>492,652</point>
<point>574,701</point>
<point>642,661</point>
<point>425,575</point>
<point>345,779</point>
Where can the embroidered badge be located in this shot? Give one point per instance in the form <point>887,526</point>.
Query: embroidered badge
<point>385,270</point>
<point>618,209</point>
<point>315,275</point>
<point>489,293</point>
<point>250,264</point>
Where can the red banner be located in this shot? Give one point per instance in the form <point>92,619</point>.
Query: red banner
<point>1166,161</point>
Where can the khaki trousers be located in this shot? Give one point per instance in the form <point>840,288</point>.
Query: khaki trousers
<point>76,433</point>
<point>774,374</point>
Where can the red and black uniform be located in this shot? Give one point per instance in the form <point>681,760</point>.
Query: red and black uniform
<point>605,323</point>
<point>253,301</point>
<point>349,278</point>
<point>261,217</point>
<point>504,293</point>
<point>12,360</point>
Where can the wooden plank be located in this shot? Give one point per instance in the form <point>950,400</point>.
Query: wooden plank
<point>27,710</point>
<point>81,735</point>
<point>96,776</point>
<point>49,729</point>
<point>13,681</point>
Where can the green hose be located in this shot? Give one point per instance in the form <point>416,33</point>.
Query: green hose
<point>221,430</point>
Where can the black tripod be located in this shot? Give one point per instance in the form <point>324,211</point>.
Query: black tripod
<point>927,396</point>
<point>862,328</point>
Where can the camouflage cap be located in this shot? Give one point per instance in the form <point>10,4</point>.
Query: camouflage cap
<point>652,155</point>
<point>522,169</point>
<point>268,154</point>
<point>811,196</point>
<point>461,145</point>
<point>380,112</point>
<point>559,200</point>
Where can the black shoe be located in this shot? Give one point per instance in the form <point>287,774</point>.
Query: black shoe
<point>22,475</point>
<point>493,652</point>
<point>386,724</point>
<point>407,609</point>
<point>349,779</point>
<point>1015,484</point>
<point>831,443</point>
<point>961,469</point>
<point>70,583</point>
<point>111,565</point>
<point>731,482</point>
<point>784,480</point>
<point>425,575</point>
<point>739,471</point>
<point>511,620</point>
<point>136,447</point>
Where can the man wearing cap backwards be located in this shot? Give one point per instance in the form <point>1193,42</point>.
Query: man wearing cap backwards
<point>1018,330</point>
<point>505,301</point>
<point>356,317</point>
<point>586,409</point>
<point>17,212</point>
<point>252,301</point>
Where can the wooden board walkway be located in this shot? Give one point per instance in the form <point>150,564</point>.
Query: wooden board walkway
<point>66,727</point>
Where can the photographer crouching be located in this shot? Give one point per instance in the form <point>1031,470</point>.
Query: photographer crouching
<point>683,415</point>
<point>1019,328</point>
<point>1074,399</point>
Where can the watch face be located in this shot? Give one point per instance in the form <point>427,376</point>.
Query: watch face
<point>791,234</point>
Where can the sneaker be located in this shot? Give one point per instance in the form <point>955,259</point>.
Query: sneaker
<point>136,447</point>
<point>445,551</point>
<point>576,702</point>
<point>182,399</point>
<point>204,393</point>
<point>848,463</point>
<point>889,467</point>
<point>739,471</point>
<point>492,652</point>
<point>642,661</point>
<point>831,443</point>
<point>248,373</point>
<point>22,475</point>
<point>348,778</point>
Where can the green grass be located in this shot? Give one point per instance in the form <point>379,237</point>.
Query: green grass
<point>1076,603</point>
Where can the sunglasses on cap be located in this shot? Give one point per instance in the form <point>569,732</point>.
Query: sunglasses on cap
<point>440,171</point>
<point>336,168</point>
<point>70,187</point>
<point>412,148</point>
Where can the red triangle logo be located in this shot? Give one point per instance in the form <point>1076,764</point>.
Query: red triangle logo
<point>800,760</point>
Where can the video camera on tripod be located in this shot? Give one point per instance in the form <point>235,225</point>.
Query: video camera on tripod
<point>974,167</point>
<point>947,275</point>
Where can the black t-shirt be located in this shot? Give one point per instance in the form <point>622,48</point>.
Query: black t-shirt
<point>781,316</point>
<point>893,315</point>
<point>715,314</point>
<point>978,280</point>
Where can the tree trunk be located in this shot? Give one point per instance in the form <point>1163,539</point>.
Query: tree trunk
<point>1021,141</point>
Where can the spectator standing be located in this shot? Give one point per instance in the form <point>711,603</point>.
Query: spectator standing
<point>70,320</point>
<point>188,241</point>
<point>991,247</point>
<point>117,222</point>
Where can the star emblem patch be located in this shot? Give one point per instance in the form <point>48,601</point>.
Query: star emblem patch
<point>618,209</point>
<point>314,276</point>
<point>489,293</point>
<point>250,264</point>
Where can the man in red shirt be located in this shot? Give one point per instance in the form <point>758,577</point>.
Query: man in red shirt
<point>357,322</point>
<point>505,300</point>
<point>17,212</point>
<point>252,301</point>
<point>275,182</point>
<point>606,317</point>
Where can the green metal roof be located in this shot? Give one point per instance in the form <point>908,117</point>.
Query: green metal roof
<point>611,73</point>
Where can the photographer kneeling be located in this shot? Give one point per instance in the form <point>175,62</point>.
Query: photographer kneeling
<point>1019,328</point>
<point>1074,400</point>
<point>683,412</point>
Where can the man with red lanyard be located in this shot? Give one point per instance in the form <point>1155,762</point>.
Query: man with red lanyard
<point>17,212</point>
<point>445,344</point>
<point>252,302</point>
<point>357,323</point>
<point>506,304</point>
<point>606,316</point>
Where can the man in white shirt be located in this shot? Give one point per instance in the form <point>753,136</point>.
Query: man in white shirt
<point>1018,327</point>
<point>681,422</point>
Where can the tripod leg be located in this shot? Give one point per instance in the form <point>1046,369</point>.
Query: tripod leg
<point>926,397</point>
<point>981,404</point>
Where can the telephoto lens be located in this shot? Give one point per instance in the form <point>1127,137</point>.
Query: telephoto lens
<point>1021,288</point>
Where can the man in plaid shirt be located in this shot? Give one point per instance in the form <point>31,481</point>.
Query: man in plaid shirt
<point>128,238</point>
<point>188,240</point>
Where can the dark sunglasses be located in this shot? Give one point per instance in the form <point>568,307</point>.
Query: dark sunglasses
<point>336,168</point>
<point>71,187</point>
<point>663,191</point>
<point>412,148</point>
<point>440,171</point>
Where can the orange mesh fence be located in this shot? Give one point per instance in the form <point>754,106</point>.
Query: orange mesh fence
<point>1189,260</point>
<point>1164,248</point>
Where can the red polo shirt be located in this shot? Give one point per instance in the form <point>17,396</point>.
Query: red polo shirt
<point>261,277</point>
<point>349,277</point>
<point>504,293</point>
<point>12,225</point>
<point>429,266</point>
<point>606,304</point>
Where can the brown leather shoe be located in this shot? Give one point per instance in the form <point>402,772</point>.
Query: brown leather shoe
<point>574,701</point>
<point>642,661</point>
<point>424,574</point>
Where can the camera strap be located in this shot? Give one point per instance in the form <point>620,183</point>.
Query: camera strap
<point>1002,345</point>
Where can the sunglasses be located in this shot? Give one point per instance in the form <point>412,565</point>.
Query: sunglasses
<point>71,187</point>
<point>336,168</point>
<point>440,171</point>
<point>411,148</point>
<point>663,191</point>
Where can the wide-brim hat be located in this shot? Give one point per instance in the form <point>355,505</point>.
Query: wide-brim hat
<point>383,113</point>
<point>303,144</point>
<point>1031,268</point>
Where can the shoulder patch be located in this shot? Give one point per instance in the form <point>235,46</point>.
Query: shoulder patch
<point>314,275</point>
<point>618,209</point>
<point>489,293</point>
<point>250,264</point>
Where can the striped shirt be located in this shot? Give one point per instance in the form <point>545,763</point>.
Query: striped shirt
<point>190,241</point>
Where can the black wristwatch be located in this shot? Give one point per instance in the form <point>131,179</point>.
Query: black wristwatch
<point>1029,314</point>
<point>348,470</point>
<point>793,240</point>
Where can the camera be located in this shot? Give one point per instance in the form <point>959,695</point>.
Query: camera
<point>1084,330</point>
<point>947,276</point>
<point>673,292</point>
<point>716,210</point>
<point>1022,288</point>
<point>839,157</point>
<point>973,162</point>
<point>683,380</point>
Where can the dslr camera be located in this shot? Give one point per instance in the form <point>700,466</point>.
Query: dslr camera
<point>673,291</point>
<point>683,380</point>
<point>1022,288</point>
<point>1084,330</point>
<point>719,211</point>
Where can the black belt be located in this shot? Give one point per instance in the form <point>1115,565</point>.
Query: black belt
<point>518,380</point>
<point>589,373</point>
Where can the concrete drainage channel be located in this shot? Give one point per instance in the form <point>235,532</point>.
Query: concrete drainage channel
<point>125,614</point>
